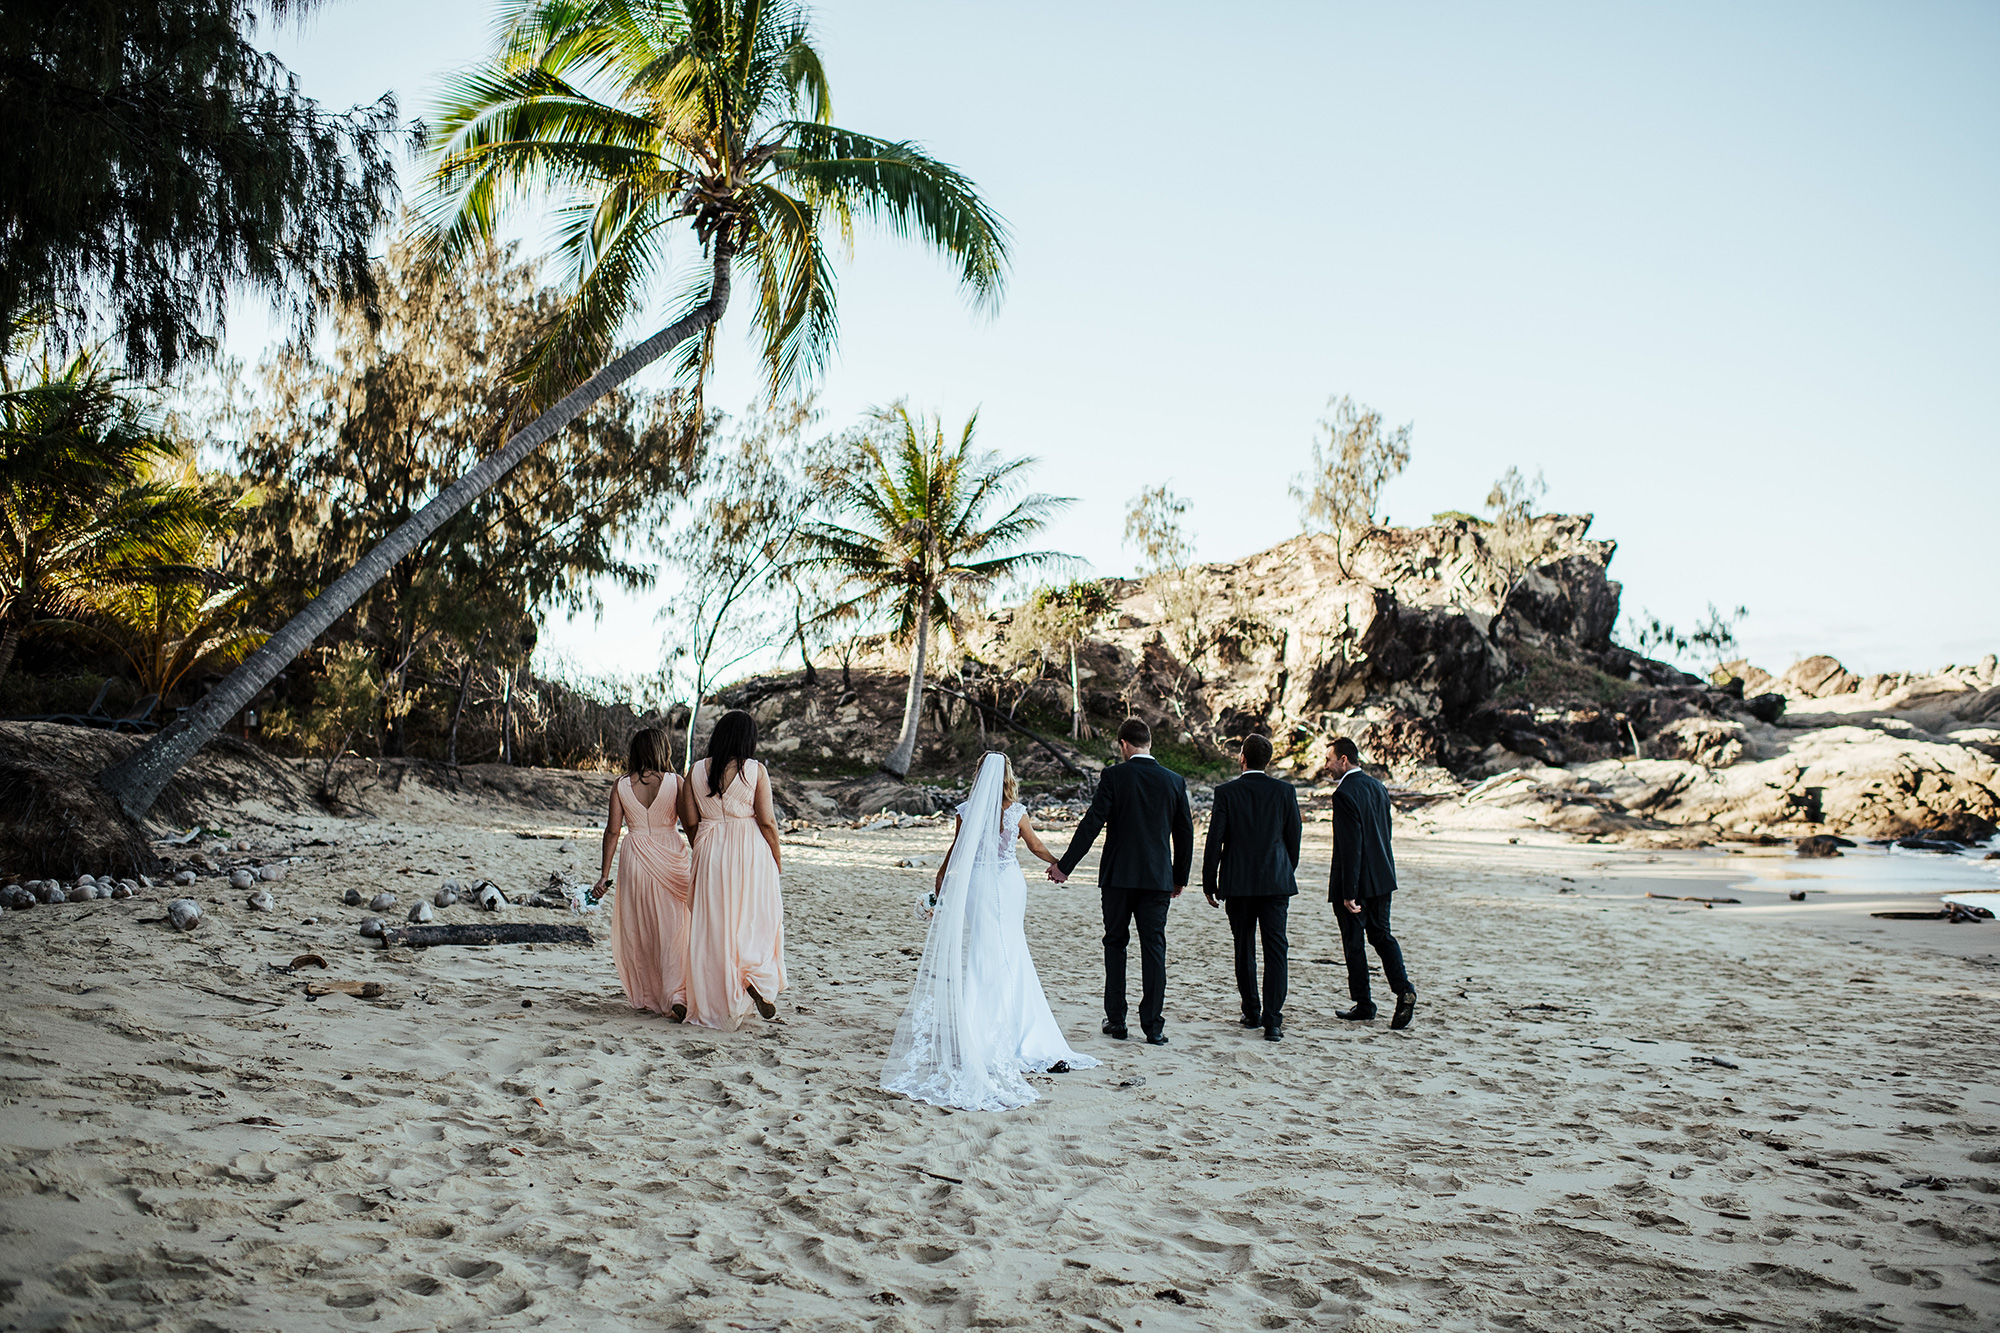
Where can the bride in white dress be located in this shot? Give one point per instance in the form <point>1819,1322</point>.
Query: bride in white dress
<point>977,1019</point>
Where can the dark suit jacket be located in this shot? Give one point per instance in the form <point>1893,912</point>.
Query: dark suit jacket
<point>1253,839</point>
<point>1363,865</point>
<point>1142,806</point>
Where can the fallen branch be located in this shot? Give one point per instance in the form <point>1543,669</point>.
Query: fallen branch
<point>1006,721</point>
<point>1683,899</point>
<point>367,990</point>
<point>230,995</point>
<point>499,932</point>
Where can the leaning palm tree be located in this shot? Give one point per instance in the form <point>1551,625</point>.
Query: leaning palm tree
<point>916,541</point>
<point>650,119</point>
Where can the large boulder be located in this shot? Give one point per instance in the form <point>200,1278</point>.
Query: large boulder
<point>1819,677</point>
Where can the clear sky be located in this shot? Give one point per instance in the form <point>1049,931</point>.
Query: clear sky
<point>1726,274</point>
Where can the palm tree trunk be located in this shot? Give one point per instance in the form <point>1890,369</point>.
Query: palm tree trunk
<point>1075,698</point>
<point>10,640</point>
<point>136,781</point>
<point>898,762</point>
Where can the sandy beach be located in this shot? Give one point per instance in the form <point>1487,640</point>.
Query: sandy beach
<point>1613,1112</point>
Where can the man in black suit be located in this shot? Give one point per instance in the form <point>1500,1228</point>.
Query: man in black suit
<point>1363,881</point>
<point>1248,863</point>
<point>1148,850</point>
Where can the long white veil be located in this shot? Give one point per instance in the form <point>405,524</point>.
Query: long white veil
<point>949,1048</point>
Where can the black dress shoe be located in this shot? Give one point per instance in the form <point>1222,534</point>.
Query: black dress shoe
<point>1114,1030</point>
<point>1406,1006</point>
<point>1274,1032</point>
<point>1156,1038</point>
<point>1253,1020</point>
<point>1360,1013</point>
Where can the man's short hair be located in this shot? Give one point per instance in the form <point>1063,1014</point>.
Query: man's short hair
<point>1347,750</point>
<point>1134,731</point>
<point>1256,751</point>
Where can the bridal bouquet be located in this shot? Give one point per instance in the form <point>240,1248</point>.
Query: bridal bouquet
<point>927,905</point>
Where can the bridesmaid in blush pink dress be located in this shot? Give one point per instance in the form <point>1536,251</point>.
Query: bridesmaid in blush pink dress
<point>650,913</point>
<point>736,941</point>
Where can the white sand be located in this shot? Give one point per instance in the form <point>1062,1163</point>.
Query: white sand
<point>1541,1150</point>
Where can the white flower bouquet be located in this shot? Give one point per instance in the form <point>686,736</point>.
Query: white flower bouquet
<point>927,905</point>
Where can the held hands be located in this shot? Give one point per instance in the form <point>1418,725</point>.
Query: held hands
<point>1056,875</point>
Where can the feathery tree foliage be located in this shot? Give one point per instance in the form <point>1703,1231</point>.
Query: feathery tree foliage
<point>1352,460</point>
<point>84,508</point>
<point>704,119</point>
<point>916,541</point>
<point>157,162</point>
<point>348,447</point>
<point>1063,618</point>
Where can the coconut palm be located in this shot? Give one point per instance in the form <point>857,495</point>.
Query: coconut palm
<point>705,119</point>
<point>916,541</point>
<point>79,505</point>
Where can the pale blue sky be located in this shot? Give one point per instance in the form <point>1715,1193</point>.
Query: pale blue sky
<point>1727,274</point>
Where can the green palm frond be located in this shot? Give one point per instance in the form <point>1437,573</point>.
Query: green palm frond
<point>638,114</point>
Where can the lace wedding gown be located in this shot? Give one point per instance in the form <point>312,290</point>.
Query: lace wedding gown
<point>978,1018</point>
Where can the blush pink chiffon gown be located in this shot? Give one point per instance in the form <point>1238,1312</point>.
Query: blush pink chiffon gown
<point>737,935</point>
<point>650,913</point>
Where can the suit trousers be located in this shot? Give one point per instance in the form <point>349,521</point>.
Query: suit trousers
<point>1149,908</point>
<point>1248,919</point>
<point>1371,926</point>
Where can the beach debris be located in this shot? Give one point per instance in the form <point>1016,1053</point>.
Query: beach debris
<point>497,932</point>
<point>271,874</point>
<point>567,849</point>
<point>352,897</point>
<point>184,913</point>
<point>241,878</point>
<point>181,840</point>
<point>1822,844</point>
<point>448,895</point>
<point>261,901</point>
<point>366,990</point>
<point>1706,902</point>
<point>382,902</point>
<point>490,897</point>
<point>51,892</point>
<point>421,914</point>
<point>1797,895</point>
<point>1137,1081</point>
<point>372,928</point>
<point>81,893</point>
<point>305,960</point>
<point>1170,1294</point>
<point>242,844</point>
<point>184,878</point>
<point>1958,914</point>
<point>15,898</point>
<point>1711,1060</point>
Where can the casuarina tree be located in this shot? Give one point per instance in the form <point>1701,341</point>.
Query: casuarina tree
<point>703,120</point>
<point>157,164</point>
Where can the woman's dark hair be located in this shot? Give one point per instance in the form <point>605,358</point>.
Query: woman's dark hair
<point>734,741</point>
<point>648,753</point>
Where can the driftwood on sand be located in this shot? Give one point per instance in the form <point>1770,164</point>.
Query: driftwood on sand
<point>498,932</point>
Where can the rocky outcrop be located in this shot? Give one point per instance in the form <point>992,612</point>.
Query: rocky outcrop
<point>1448,666</point>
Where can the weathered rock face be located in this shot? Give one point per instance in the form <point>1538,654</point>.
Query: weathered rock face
<point>1399,646</point>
